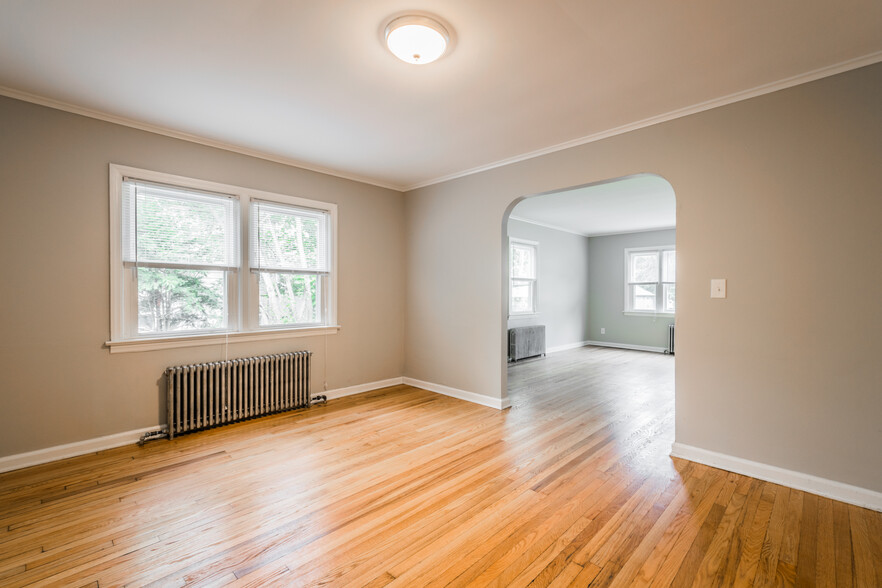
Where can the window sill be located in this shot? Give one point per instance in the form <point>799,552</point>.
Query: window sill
<point>134,345</point>
<point>647,313</point>
<point>522,315</point>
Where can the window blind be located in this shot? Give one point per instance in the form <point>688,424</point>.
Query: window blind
<point>167,226</point>
<point>289,239</point>
<point>523,261</point>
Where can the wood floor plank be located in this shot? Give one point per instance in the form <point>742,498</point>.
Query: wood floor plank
<point>864,562</point>
<point>808,542</point>
<point>572,486</point>
<point>825,566</point>
<point>751,549</point>
<point>768,564</point>
<point>842,547</point>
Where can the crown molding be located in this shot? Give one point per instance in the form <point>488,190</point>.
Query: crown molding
<point>165,131</point>
<point>547,225</point>
<point>588,235</point>
<point>811,76</point>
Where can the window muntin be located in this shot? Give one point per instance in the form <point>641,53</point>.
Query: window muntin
<point>178,245</point>
<point>650,280</point>
<point>523,271</point>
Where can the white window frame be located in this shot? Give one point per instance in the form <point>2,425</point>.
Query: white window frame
<point>534,281</point>
<point>242,286</point>
<point>659,291</point>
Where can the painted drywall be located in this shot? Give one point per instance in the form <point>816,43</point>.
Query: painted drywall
<point>779,194</point>
<point>563,284</point>
<point>58,383</point>
<point>606,295</point>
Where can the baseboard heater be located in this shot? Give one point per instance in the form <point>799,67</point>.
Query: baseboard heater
<point>526,342</point>
<point>206,395</point>
<point>670,349</point>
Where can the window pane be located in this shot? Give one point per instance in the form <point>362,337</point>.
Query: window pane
<point>523,261</point>
<point>288,238</point>
<point>669,266</point>
<point>171,300</point>
<point>644,267</point>
<point>174,226</point>
<point>289,299</point>
<point>669,297</point>
<point>521,296</point>
<point>643,297</point>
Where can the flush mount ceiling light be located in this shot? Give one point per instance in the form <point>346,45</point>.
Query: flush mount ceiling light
<point>417,39</point>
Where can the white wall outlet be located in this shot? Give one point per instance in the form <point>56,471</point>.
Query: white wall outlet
<point>718,288</point>
<point>602,331</point>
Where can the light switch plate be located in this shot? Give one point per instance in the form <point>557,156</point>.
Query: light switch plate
<point>718,288</point>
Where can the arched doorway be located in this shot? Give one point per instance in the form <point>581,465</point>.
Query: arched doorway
<point>590,266</point>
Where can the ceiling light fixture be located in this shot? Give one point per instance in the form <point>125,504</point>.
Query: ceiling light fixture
<point>417,39</point>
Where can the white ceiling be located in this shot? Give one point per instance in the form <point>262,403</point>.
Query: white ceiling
<point>310,83</point>
<point>639,203</point>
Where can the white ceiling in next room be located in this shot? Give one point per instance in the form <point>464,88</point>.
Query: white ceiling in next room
<point>639,203</point>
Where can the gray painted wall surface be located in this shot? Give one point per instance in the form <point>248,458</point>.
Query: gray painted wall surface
<point>778,194</point>
<point>563,284</point>
<point>606,295</point>
<point>58,384</point>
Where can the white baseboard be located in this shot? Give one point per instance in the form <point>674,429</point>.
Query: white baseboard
<point>482,399</point>
<point>626,346</point>
<point>806,482</point>
<point>567,347</point>
<point>359,388</point>
<point>40,456</point>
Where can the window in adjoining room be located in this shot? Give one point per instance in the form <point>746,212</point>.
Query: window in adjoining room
<point>650,286</point>
<point>524,285</point>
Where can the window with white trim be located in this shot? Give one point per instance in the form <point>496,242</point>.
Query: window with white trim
<point>191,258</point>
<point>524,276</point>
<point>650,280</point>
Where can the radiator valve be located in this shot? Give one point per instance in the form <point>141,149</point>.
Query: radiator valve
<point>158,434</point>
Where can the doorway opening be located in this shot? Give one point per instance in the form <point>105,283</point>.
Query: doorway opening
<point>590,292</point>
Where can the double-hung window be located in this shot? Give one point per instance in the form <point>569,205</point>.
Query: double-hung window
<point>524,276</point>
<point>195,260</point>
<point>650,280</point>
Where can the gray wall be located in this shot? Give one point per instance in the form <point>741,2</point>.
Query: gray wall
<point>563,284</point>
<point>779,194</point>
<point>58,383</point>
<point>606,296</point>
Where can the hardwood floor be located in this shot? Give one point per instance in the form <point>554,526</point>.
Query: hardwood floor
<point>572,486</point>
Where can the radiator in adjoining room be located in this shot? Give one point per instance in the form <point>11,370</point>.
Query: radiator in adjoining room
<point>205,395</point>
<point>526,342</point>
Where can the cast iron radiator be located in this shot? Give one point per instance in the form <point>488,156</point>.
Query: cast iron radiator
<point>526,342</point>
<point>205,395</point>
<point>670,349</point>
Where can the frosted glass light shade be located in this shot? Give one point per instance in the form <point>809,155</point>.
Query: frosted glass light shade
<point>416,39</point>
